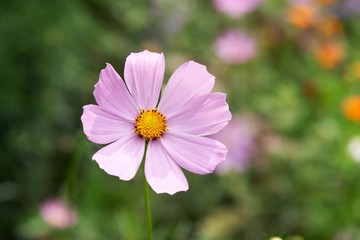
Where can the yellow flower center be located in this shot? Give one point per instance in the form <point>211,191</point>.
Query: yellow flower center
<point>150,124</point>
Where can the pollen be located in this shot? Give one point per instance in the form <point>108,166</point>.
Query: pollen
<point>150,124</point>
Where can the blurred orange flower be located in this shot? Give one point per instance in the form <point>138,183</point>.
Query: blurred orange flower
<point>325,2</point>
<point>351,108</point>
<point>302,16</point>
<point>330,54</point>
<point>330,26</point>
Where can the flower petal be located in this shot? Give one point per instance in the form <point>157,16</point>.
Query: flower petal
<point>196,154</point>
<point>112,95</point>
<point>102,127</point>
<point>203,115</point>
<point>123,157</point>
<point>188,81</point>
<point>144,74</point>
<point>162,173</point>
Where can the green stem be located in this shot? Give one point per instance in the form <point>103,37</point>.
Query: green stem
<point>147,201</point>
<point>147,206</point>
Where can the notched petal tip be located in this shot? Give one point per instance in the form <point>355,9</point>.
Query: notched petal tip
<point>101,127</point>
<point>173,192</point>
<point>162,173</point>
<point>205,68</point>
<point>168,185</point>
<point>190,80</point>
<point>143,74</point>
<point>158,189</point>
<point>146,51</point>
<point>201,67</point>
<point>230,116</point>
<point>223,96</point>
<point>121,158</point>
<point>107,67</point>
<point>105,169</point>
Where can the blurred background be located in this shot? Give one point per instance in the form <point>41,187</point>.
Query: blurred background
<point>291,71</point>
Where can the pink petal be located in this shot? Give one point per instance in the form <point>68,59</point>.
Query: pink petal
<point>144,74</point>
<point>123,157</point>
<point>112,95</point>
<point>102,127</point>
<point>188,81</point>
<point>203,115</point>
<point>196,154</point>
<point>162,173</point>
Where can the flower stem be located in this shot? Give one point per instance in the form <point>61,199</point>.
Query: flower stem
<point>147,200</point>
<point>148,211</point>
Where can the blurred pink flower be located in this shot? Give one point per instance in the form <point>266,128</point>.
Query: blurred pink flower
<point>347,8</point>
<point>239,137</point>
<point>235,47</point>
<point>58,214</point>
<point>236,8</point>
<point>301,2</point>
<point>128,116</point>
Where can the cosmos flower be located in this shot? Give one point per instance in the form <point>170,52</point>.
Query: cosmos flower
<point>354,148</point>
<point>234,47</point>
<point>130,115</point>
<point>58,214</point>
<point>239,137</point>
<point>236,8</point>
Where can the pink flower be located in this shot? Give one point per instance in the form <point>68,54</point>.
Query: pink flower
<point>58,214</point>
<point>239,137</point>
<point>129,114</point>
<point>236,8</point>
<point>235,47</point>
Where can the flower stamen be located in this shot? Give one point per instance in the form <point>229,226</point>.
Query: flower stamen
<point>150,124</point>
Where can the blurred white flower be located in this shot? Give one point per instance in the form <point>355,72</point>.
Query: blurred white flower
<point>234,46</point>
<point>58,214</point>
<point>236,8</point>
<point>354,148</point>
